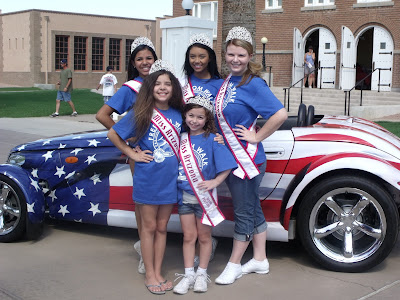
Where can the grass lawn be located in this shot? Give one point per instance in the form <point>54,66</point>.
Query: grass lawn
<point>34,102</point>
<point>393,127</point>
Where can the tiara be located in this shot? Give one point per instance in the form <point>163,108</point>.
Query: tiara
<point>200,38</point>
<point>162,65</point>
<point>141,40</point>
<point>200,100</point>
<point>239,33</point>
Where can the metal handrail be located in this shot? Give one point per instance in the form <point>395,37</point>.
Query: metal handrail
<point>301,91</point>
<point>269,77</point>
<point>347,99</point>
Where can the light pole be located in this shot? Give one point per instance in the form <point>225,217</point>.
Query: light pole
<point>264,41</point>
<point>187,5</point>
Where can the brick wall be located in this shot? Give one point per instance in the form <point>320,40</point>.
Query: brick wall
<point>278,27</point>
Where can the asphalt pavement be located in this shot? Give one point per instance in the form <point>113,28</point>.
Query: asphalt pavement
<point>81,261</point>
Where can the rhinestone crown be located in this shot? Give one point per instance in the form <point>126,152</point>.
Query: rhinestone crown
<point>200,38</point>
<point>141,40</point>
<point>200,100</point>
<point>162,65</point>
<point>239,33</point>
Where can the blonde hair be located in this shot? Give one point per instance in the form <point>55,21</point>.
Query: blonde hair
<point>254,68</point>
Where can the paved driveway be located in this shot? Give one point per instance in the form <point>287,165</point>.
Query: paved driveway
<point>80,261</point>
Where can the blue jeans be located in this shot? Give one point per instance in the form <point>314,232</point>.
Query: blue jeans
<point>248,215</point>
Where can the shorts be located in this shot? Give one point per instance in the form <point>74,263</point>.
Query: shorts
<point>106,98</point>
<point>186,209</point>
<point>308,70</point>
<point>248,215</point>
<point>64,96</point>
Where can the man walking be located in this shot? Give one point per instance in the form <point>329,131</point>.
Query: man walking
<point>65,89</point>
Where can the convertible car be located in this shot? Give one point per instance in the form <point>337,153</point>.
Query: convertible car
<point>332,181</point>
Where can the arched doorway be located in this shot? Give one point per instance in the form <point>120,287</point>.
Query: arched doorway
<point>381,55</point>
<point>324,44</point>
<point>364,58</point>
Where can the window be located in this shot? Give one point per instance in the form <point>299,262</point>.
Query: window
<point>207,11</point>
<point>128,52</point>
<point>97,54</point>
<point>115,54</point>
<point>273,4</point>
<point>80,45</point>
<point>318,2</point>
<point>61,50</point>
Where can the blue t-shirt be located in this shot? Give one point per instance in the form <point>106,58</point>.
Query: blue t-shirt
<point>124,98</point>
<point>242,105</point>
<point>208,88</point>
<point>212,159</point>
<point>154,182</point>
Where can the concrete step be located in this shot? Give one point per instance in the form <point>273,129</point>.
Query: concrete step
<point>330,101</point>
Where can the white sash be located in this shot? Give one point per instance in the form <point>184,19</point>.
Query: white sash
<point>208,200</point>
<point>187,91</point>
<point>134,85</point>
<point>244,156</point>
<point>168,131</point>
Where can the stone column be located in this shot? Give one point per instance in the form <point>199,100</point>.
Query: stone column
<point>237,13</point>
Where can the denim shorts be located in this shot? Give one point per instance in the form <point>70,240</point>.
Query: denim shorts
<point>63,96</point>
<point>186,209</point>
<point>248,215</point>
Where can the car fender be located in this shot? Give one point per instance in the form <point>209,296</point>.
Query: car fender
<point>389,172</point>
<point>30,188</point>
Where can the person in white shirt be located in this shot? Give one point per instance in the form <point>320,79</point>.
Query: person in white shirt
<point>109,82</point>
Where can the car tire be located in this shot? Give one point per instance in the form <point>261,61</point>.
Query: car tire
<point>348,223</point>
<point>12,210</point>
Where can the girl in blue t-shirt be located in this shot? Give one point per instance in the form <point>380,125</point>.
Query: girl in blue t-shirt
<point>242,97</point>
<point>143,56</point>
<point>202,78</point>
<point>214,161</point>
<point>155,122</point>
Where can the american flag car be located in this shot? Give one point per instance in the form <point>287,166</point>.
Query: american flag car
<point>331,181</point>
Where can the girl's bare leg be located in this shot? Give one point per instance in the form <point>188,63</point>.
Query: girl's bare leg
<point>204,236</point>
<point>160,240</point>
<point>189,229</point>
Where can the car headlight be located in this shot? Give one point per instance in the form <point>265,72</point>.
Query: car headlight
<point>16,159</point>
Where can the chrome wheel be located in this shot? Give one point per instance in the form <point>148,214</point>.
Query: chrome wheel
<point>10,209</point>
<point>347,225</point>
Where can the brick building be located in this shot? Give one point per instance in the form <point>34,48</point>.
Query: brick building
<point>350,37</point>
<point>32,43</point>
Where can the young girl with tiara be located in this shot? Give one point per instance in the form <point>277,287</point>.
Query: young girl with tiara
<point>202,78</point>
<point>242,97</point>
<point>155,121</point>
<point>204,165</point>
<point>143,56</point>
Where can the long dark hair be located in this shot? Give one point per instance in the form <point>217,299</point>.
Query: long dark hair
<point>132,71</point>
<point>212,66</point>
<point>209,126</point>
<point>145,101</point>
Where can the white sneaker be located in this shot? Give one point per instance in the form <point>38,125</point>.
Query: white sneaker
<point>256,266</point>
<point>186,283</point>
<point>141,269</point>
<point>200,284</point>
<point>136,246</point>
<point>230,274</point>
